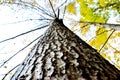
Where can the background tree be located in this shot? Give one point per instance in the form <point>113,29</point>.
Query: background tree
<point>85,18</point>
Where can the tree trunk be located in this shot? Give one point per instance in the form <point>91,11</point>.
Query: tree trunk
<point>62,55</point>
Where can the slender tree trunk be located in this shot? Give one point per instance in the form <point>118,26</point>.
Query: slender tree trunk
<point>62,55</point>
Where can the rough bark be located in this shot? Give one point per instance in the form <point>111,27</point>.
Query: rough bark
<point>62,55</point>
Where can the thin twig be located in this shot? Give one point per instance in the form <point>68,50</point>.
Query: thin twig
<point>52,8</point>
<point>58,8</point>
<point>107,40</point>
<point>98,35</point>
<point>25,21</point>
<point>44,11</point>
<point>62,3</point>
<point>64,12</point>
<point>115,26</point>
<point>58,13</point>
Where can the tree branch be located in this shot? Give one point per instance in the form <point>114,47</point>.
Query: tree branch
<point>20,51</point>
<point>107,40</point>
<point>23,34</point>
<point>114,26</point>
<point>25,21</point>
<point>9,72</point>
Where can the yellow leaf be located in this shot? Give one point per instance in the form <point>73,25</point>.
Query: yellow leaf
<point>79,1</point>
<point>33,3</point>
<point>90,1</point>
<point>117,59</point>
<point>102,2</point>
<point>118,34</point>
<point>101,37</point>
<point>103,55</point>
<point>106,56</point>
<point>71,8</point>
<point>85,29</point>
<point>88,14</point>
<point>81,25</point>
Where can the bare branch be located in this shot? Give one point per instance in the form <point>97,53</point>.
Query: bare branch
<point>107,40</point>
<point>62,3</point>
<point>23,34</point>
<point>52,8</point>
<point>26,21</point>
<point>19,51</point>
<point>64,12</point>
<point>10,71</point>
<point>114,26</point>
